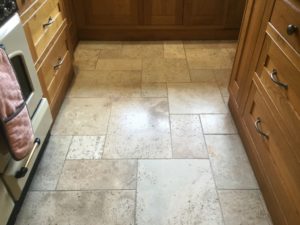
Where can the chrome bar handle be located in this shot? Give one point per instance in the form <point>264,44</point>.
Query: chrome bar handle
<point>258,128</point>
<point>50,22</point>
<point>274,78</point>
<point>23,171</point>
<point>60,62</point>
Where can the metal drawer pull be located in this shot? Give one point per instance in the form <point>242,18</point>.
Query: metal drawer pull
<point>274,78</point>
<point>23,171</point>
<point>258,129</point>
<point>291,29</point>
<point>50,21</point>
<point>60,62</point>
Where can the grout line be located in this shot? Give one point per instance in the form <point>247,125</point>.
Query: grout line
<point>215,183</point>
<point>107,128</point>
<point>85,190</point>
<point>136,190</point>
<point>63,166</point>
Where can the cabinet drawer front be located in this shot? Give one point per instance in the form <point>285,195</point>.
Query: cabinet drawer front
<point>281,80</point>
<point>276,155</point>
<point>44,24</point>
<point>54,68</point>
<point>287,14</point>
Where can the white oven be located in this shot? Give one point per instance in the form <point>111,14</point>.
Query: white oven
<point>12,37</point>
<point>13,40</point>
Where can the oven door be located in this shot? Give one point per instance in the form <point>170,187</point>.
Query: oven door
<point>12,37</point>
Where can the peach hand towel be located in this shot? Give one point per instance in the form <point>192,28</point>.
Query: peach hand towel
<point>14,116</point>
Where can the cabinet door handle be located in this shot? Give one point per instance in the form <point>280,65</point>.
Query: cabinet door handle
<point>60,62</point>
<point>274,78</point>
<point>50,22</point>
<point>258,128</point>
<point>291,29</point>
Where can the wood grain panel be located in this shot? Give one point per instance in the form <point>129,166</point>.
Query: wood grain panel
<point>163,12</point>
<point>111,12</point>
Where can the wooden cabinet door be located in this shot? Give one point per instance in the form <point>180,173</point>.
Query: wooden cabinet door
<point>204,12</point>
<point>107,12</point>
<point>163,12</point>
<point>225,13</point>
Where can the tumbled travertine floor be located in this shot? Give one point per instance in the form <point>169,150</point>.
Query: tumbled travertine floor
<point>145,137</point>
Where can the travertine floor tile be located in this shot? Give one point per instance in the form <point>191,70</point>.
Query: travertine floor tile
<point>139,128</point>
<point>205,75</point>
<point>80,116</point>
<point>106,84</point>
<point>154,90</point>
<point>176,192</point>
<point>210,44</point>
<point>165,70</point>
<point>222,78</point>
<point>218,124</point>
<point>96,174</point>
<point>229,161</point>
<point>243,208</point>
<point>209,58</point>
<point>187,137</point>
<point>145,49</point>
<point>86,147</point>
<point>174,50</point>
<point>99,45</point>
<point>50,167</point>
<point>86,58</point>
<point>195,98</point>
<point>119,64</point>
<point>78,208</point>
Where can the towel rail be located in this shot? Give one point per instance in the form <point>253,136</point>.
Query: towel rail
<point>23,171</point>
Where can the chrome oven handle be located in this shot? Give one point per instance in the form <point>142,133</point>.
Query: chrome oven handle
<point>23,171</point>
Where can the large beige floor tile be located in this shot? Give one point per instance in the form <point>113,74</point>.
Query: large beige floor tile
<point>176,192</point>
<point>86,147</point>
<point>119,64</point>
<point>100,45</point>
<point>195,98</point>
<point>230,163</point>
<point>139,128</point>
<point>187,137</point>
<point>218,124</point>
<point>210,44</point>
<point>98,174</point>
<point>243,208</point>
<point>50,167</point>
<point>165,70</point>
<point>105,84</point>
<point>78,208</point>
<point>209,58</point>
<point>174,49</point>
<point>222,78</point>
<point>156,90</point>
<point>204,75</point>
<point>83,117</point>
<point>86,58</point>
<point>146,49</point>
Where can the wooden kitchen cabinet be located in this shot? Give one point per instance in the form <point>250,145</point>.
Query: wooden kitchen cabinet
<point>51,38</point>
<point>265,102</point>
<point>108,12</point>
<point>158,19</point>
<point>163,12</point>
<point>213,12</point>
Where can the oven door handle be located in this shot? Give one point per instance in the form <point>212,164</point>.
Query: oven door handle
<point>23,171</point>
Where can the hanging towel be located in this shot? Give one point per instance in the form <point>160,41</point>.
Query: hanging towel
<point>14,116</point>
